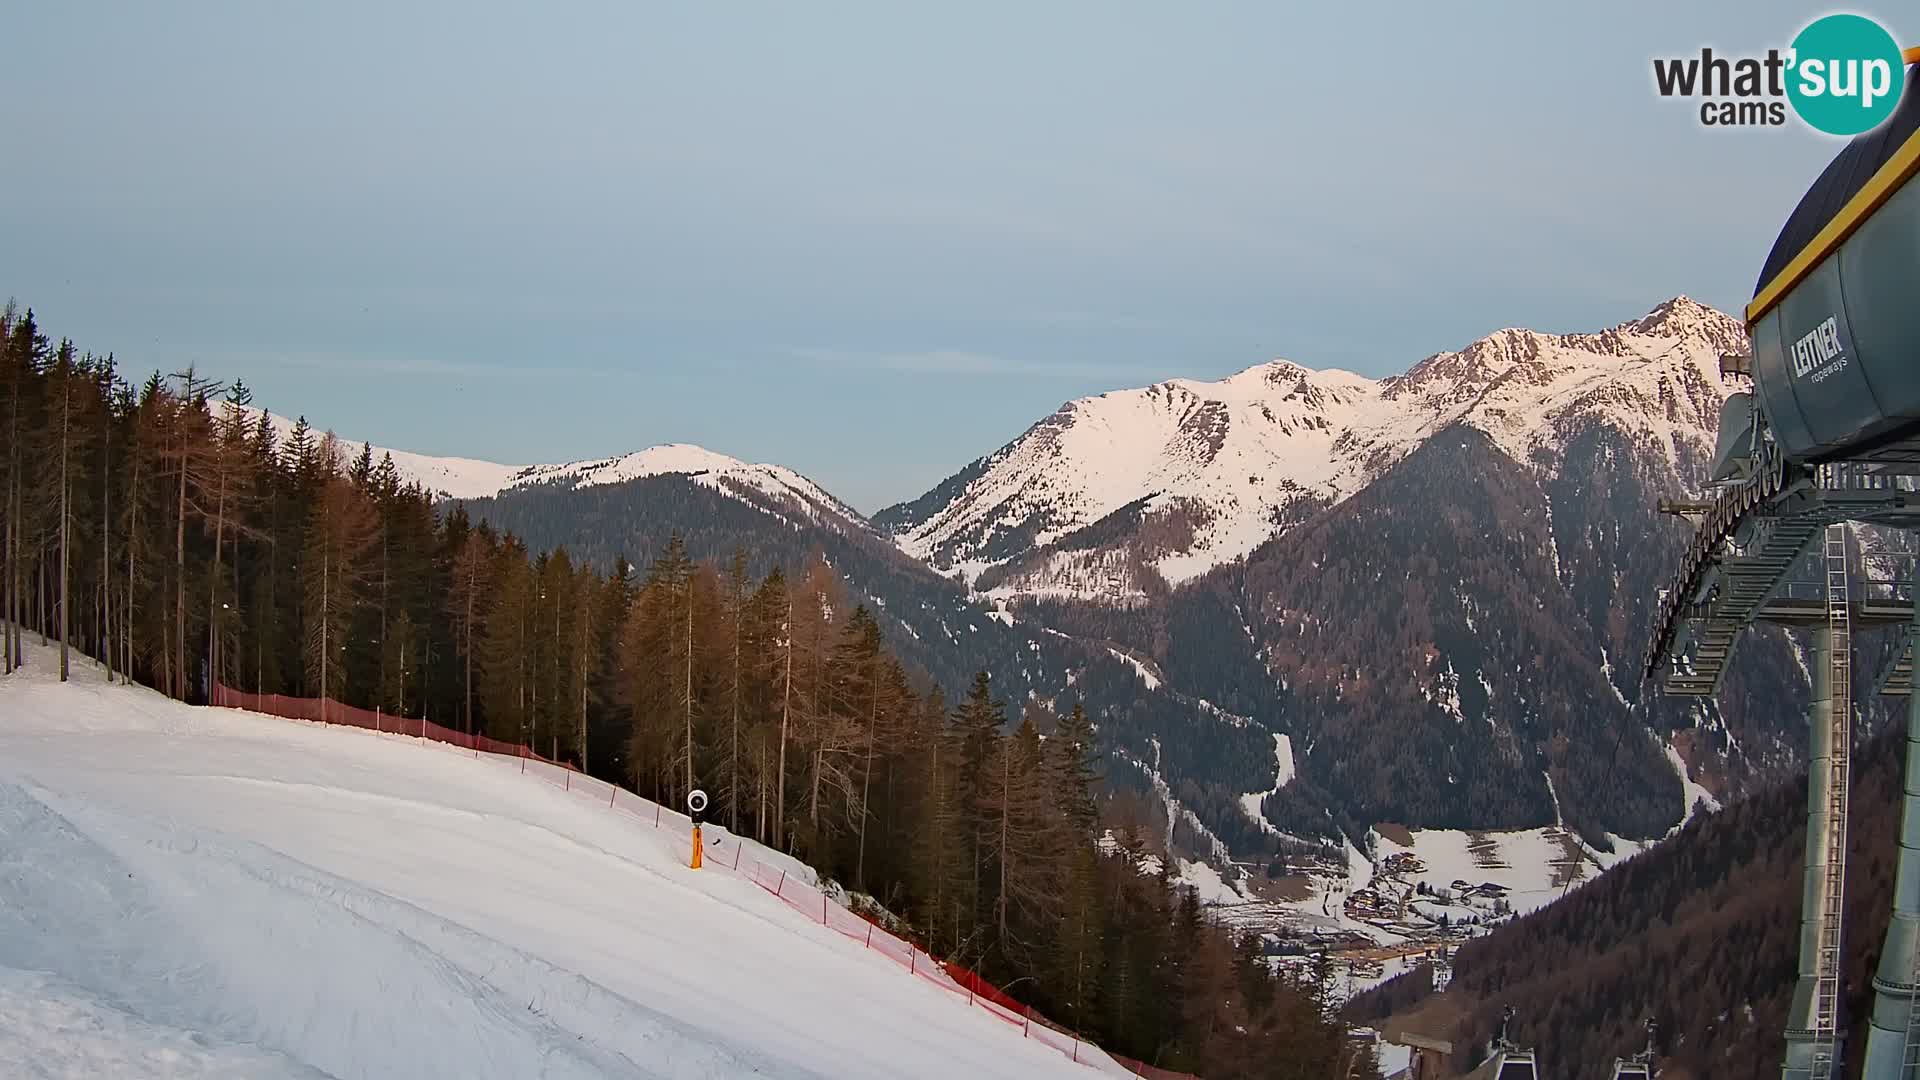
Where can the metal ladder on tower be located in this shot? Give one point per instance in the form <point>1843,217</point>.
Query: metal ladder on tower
<point>1840,692</point>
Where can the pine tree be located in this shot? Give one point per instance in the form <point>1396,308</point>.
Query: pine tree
<point>341,529</point>
<point>229,458</point>
<point>829,731</point>
<point>26,351</point>
<point>1074,774</point>
<point>401,654</point>
<point>607,739</point>
<point>472,579</point>
<point>64,376</point>
<point>977,727</point>
<point>191,455</point>
<point>505,650</point>
<point>736,620</point>
<point>658,666</point>
<point>1027,842</point>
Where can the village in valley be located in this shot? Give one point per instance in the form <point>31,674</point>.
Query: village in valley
<point>1351,920</point>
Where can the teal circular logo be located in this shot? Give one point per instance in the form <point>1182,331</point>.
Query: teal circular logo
<point>1846,75</point>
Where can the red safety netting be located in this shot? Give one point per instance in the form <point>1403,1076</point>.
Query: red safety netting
<point>1151,1072</point>
<point>984,990</point>
<point>723,851</point>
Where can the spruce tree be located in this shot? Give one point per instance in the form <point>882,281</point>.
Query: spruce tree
<point>341,529</point>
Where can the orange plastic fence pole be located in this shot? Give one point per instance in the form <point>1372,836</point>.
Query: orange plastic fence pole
<point>697,847</point>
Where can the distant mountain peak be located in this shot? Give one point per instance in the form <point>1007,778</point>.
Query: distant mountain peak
<point>1689,320</point>
<point>769,486</point>
<point>667,458</point>
<point>1186,474</point>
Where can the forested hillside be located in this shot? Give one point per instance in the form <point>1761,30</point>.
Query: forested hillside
<point>174,537</point>
<point>939,631</point>
<point>1435,584</point>
<point>1700,933</point>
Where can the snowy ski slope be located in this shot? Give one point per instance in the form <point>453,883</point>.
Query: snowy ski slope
<point>208,892</point>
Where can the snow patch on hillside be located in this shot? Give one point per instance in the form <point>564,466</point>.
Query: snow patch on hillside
<point>1151,680</point>
<point>1696,795</point>
<point>1283,774</point>
<point>1206,881</point>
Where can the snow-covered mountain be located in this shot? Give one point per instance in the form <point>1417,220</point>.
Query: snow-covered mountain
<point>759,484</point>
<point>1115,495</point>
<point>771,487</point>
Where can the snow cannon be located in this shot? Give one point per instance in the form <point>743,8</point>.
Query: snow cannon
<point>1834,318</point>
<point>697,811</point>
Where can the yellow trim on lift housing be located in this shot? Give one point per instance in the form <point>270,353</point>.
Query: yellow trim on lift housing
<point>1891,177</point>
<point>1897,171</point>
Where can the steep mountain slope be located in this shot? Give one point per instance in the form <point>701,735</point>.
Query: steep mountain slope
<point>1440,587</point>
<point>931,621</point>
<point>220,893</point>
<point>1116,496</point>
<point>1700,933</point>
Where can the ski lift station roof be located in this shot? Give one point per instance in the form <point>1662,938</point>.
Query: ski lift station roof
<point>1834,318</point>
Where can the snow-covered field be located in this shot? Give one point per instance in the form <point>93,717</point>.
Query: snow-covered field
<point>198,892</point>
<point>1530,863</point>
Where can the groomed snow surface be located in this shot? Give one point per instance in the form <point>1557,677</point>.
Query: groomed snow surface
<point>207,892</point>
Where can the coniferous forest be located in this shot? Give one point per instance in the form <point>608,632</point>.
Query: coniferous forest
<point>163,528</point>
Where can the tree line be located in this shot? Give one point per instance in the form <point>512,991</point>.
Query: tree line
<point>176,536</point>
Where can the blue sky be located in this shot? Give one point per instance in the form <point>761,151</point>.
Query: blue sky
<point>869,241</point>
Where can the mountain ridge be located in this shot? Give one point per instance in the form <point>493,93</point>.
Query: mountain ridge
<point>1480,381</point>
<point>461,478</point>
<point>1211,470</point>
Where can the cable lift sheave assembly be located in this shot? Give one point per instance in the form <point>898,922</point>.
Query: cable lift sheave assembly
<point>1507,1060</point>
<point>1639,1066</point>
<point>1828,435</point>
